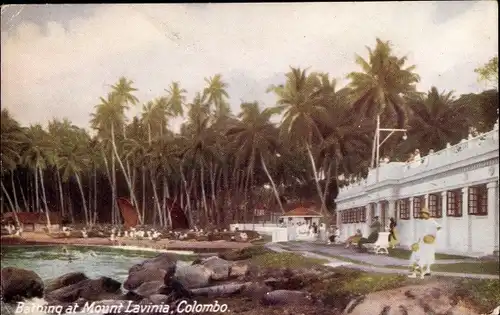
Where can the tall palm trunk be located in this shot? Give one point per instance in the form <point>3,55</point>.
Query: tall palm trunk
<point>155,195</point>
<point>37,202</point>
<point>143,192</point>
<point>14,193</point>
<point>44,198</point>
<point>203,195</point>
<point>114,208</point>
<point>168,209</point>
<point>188,195</point>
<point>94,219</point>
<point>127,178</point>
<point>213,171</point>
<point>6,193</point>
<point>84,202</point>
<point>26,208</point>
<point>316,179</point>
<point>272,183</point>
<point>61,194</point>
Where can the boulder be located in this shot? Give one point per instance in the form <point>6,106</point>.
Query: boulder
<point>194,276</point>
<point>420,299</point>
<point>18,284</point>
<point>164,261</point>
<point>220,268</point>
<point>220,290</point>
<point>284,297</point>
<point>64,280</point>
<point>255,290</point>
<point>159,299</point>
<point>91,290</point>
<point>149,288</point>
<point>238,270</point>
<point>138,277</point>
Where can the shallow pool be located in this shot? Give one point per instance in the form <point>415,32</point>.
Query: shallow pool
<point>53,261</point>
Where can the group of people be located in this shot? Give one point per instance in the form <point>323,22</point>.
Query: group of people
<point>423,250</point>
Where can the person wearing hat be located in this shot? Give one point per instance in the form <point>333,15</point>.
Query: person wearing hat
<point>424,249</point>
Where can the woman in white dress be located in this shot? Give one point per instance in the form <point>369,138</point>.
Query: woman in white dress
<point>424,250</point>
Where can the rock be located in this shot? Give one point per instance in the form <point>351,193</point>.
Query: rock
<point>64,280</point>
<point>421,299</point>
<point>283,297</point>
<point>220,290</point>
<point>159,299</point>
<point>149,288</point>
<point>138,277</point>
<point>90,290</point>
<point>18,284</point>
<point>196,276</point>
<point>238,270</point>
<point>164,261</point>
<point>255,290</point>
<point>220,268</point>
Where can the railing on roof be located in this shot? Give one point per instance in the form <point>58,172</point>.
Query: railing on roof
<point>463,150</point>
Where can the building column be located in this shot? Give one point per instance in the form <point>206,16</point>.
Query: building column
<point>413,222</point>
<point>446,225</point>
<point>465,215</point>
<point>493,214</point>
<point>426,201</point>
<point>391,213</point>
<point>366,228</point>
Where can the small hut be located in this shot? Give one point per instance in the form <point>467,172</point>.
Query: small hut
<point>302,215</point>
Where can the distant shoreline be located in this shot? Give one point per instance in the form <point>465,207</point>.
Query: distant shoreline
<point>37,239</point>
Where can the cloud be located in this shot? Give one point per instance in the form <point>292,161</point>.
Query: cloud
<point>60,69</point>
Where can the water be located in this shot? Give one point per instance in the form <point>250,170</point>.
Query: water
<point>53,261</point>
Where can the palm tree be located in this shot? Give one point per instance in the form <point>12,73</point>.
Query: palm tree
<point>74,160</point>
<point>215,93</point>
<point>380,88</point>
<point>254,139</point>
<point>12,138</point>
<point>38,155</point>
<point>176,99</point>
<point>437,118</point>
<point>301,100</point>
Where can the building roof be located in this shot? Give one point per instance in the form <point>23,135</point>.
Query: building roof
<point>302,212</point>
<point>32,217</point>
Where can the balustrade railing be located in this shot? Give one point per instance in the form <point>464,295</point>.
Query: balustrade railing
<point>460,151</point>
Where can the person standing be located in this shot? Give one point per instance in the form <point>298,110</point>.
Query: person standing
<point>424,249</point>
<point>393,239</point>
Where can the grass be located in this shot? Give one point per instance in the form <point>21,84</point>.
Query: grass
<point>286,260</point>
<point>405,254</point>
<point>355,282</point>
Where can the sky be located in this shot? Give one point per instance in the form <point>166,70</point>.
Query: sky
<point>58,59</point>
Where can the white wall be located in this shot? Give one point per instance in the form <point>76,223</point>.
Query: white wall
<point>469,163</point>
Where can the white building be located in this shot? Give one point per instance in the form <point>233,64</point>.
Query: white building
<point>459,186</point>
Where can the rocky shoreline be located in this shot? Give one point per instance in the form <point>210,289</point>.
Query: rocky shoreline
<point>232,280</point>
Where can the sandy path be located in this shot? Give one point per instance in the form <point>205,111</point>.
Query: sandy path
<point>31,238</point>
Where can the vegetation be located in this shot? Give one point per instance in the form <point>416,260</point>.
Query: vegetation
<point>286,260</point>
<point>220,165</point>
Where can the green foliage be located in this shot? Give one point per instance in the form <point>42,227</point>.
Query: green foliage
<point>488,73</point>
